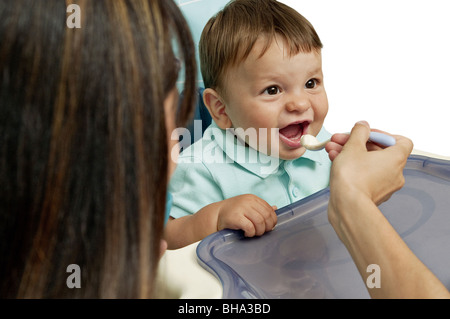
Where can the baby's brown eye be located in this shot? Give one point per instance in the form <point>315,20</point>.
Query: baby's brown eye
<point>272,90</point>
<point>311,84</point>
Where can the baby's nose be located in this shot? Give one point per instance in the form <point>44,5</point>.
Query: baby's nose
<point>298,103</point>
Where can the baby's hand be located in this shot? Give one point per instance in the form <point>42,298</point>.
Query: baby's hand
<point>247,212</point>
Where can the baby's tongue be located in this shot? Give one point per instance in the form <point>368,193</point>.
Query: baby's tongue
<point>291,131</point>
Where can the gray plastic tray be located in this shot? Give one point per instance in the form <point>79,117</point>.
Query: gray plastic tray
<point>303,257</point>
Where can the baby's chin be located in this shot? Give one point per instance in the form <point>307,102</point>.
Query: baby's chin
<point>291,154</point>
<point>283,152</point>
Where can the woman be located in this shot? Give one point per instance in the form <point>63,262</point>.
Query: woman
<point>85,117</point>
<point>363,176</point>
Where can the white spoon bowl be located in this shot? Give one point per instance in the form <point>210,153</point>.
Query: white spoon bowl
<point>311,143</point>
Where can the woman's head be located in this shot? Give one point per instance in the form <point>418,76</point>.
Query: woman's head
<point>84,155</point>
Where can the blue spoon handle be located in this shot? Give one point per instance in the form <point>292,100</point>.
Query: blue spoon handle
<point>382,139</point>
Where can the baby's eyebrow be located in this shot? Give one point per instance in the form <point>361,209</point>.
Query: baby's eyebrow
<point>270,77</point>
<point>315,71</point>
<point>266,75</point>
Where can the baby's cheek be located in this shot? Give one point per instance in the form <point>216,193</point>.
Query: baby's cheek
<point>319,118</point>
<point>322,108</point>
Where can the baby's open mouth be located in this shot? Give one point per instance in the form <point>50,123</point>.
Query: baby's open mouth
<point>292,133</point>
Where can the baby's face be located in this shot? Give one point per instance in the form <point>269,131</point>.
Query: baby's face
<point>277,91</point>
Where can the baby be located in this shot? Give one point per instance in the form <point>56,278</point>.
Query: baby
<point>262,69</point>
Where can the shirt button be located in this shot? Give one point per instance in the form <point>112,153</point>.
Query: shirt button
<point>295,192</point>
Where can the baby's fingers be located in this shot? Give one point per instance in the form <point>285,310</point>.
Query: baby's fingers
<point>247,226</point>
<point>262,221</point>
<point>269,215</point>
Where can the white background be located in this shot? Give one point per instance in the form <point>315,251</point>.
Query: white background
<point>387,62</point>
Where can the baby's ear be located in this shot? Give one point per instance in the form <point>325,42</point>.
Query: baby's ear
<point>216,107</point>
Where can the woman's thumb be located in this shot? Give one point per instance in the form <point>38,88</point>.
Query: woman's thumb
<point>360,134</point>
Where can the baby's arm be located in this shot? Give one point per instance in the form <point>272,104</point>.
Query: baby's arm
<point>247,212</point>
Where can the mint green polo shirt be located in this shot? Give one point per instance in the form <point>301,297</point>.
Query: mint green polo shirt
<point>218,166</point>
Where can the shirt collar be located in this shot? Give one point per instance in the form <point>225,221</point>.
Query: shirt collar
<point>256,162</point>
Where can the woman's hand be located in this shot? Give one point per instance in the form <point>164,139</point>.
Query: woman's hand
<point>363,175</point>
<point>363,167</point>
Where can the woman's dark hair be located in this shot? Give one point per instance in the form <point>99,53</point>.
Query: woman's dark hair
<point>83,143</point>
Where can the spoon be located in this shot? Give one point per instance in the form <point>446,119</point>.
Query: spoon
<point>311,143</point>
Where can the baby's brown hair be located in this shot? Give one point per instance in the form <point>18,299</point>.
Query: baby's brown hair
<point>230,35</point>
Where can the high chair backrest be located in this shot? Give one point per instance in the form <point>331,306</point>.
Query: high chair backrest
<point>197,14</point>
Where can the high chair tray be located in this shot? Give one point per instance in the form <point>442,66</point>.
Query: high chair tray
<point>302,257</point>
